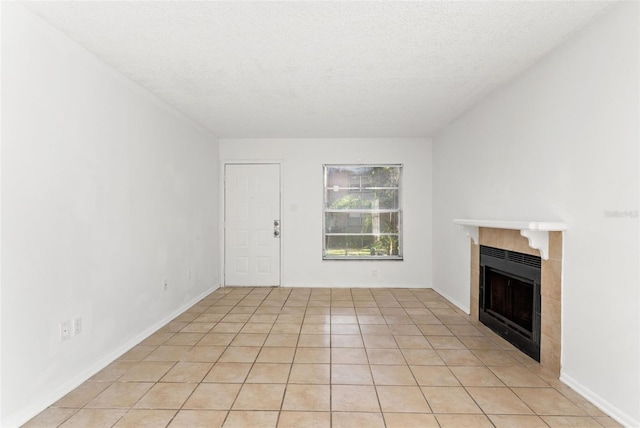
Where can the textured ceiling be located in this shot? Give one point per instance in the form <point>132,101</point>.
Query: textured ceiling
<point>319,69</point>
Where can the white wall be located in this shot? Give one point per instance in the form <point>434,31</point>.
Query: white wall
<point>561,143</point>
<point>105,193</point>
<point>302,188</point>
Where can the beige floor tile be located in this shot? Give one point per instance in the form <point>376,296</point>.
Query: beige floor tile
<point>348,356</point>
<point>407,420</point>
<point>281,340</point>
<point>198,419</point>
<point>213,396</point>
<point>398,319</point>
<point>548,401</point>
<point>187,372</point>
<point>435,330</point>
<point>354,398</point>
<point>465,330</point>
<point>310,373</point>
<point>166,396</point>
<point>449,400</point>
<point>494,357</point>
<point>198,327</point>
<point>145,418</point>
<point>392,375</point>
<point>94,418</point>
<point>173,327</point>
<point>227,327</point>
<point>168,353</point>
<point>307,397</point>
<point>239,354</point>
<point>158,338</point>
<point>228,373</point>
<point>286,328</point>
<point>316,329</point>
<point>269,373</point>
<point>82,394</point>
<point>241,318</point>
<point>137,353</point>
<point>120,395</point>
<point>316,319</point>
<point>260,396</point>
<point>498,401</point>
<point>51,417</point>
<point>518,376</point>
<point>475,376</point>
<point>351,374</point>
<point>249,339</point>
<point>379,341</point>
<point>371,320</point>
<point>304,420</point>
<point>402,399</point>
<point>571,422</point>
<point>373,329</point>
<point>463,421</point>
<point>113,371</point>
<point>346,341</point>
<point>413,342</point>
<point>203,354</point>
<point>385,356</point>
<point>290,319</point>
<point>182,339</point>
<point>458,357</point>
<point>276,355</point>
<point>445,342</point>
<point>256,328</point>
<point>422,357</point>
<point>217,339</point>
<point>434,376</point>
<point>209,318</point>
<point>478,342</point>
<point>353,420</point>
<point>405,330</point>
<point>322,349</point>
<point>263,319</point>
<point>244,419</point>
<point>517,421</point>
<point>313,355</point>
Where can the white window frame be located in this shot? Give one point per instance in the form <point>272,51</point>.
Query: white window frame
<point>357,211</point>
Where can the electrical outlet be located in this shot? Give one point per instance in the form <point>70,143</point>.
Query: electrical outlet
<point>165,286</point>
<point>374,272</point>
<point>77,326</point>
<point>65,331</point>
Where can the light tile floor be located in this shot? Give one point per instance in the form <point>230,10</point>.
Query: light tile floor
<point>266,357</point>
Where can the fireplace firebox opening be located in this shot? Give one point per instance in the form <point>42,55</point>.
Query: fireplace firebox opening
<point>510,302</point>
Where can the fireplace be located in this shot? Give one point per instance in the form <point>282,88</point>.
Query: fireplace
<point>509,297</point>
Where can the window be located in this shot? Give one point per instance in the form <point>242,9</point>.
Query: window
<point>362,212</point>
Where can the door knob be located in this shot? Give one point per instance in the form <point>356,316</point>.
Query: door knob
<point>276,228</point>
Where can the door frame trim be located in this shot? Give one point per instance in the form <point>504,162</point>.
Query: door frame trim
<point>222,209</point>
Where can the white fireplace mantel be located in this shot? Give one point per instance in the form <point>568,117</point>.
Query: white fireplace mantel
<point>537,232</point>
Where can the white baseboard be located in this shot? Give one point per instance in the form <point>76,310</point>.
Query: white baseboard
<point>595,399</point>
<point>41,403</point>
<point>462,307</point>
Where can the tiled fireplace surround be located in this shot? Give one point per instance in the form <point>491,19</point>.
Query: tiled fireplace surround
<point>551,315</point>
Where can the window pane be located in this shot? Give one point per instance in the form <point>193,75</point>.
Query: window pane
<point>374,223</point>
<point>362,205</point>
<point>361,245</point>
<point>383,199</point>
<point>362,177</point>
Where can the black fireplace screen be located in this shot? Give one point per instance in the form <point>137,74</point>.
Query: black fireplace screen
<point>510,297</point>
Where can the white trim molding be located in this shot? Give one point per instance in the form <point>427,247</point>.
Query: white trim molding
<point>536,232</point>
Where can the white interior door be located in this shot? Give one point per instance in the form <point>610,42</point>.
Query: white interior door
<point>252,224</point>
